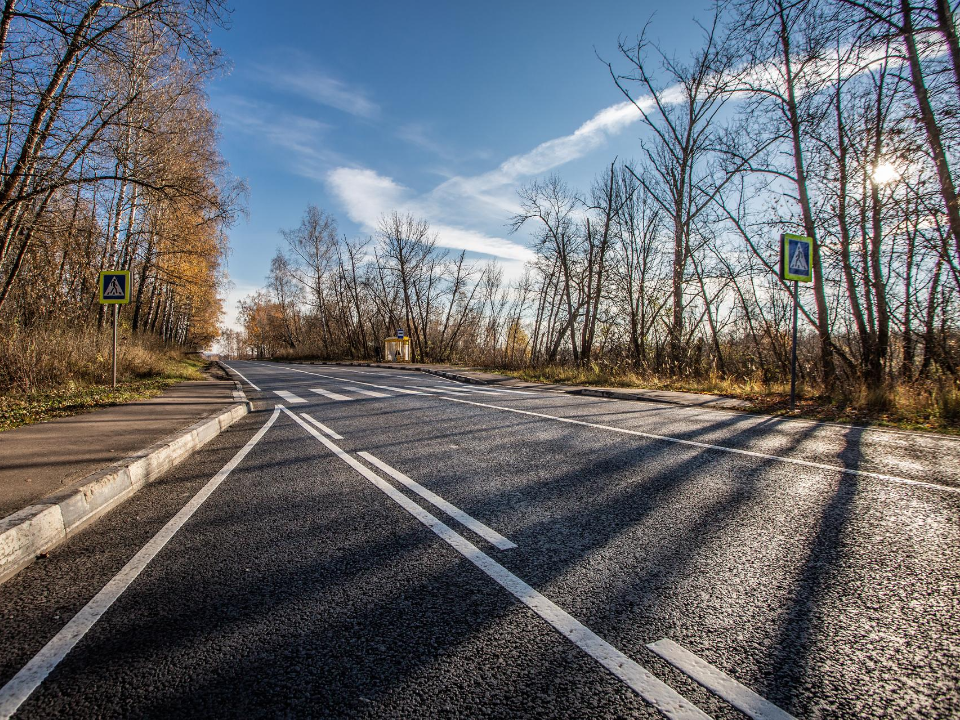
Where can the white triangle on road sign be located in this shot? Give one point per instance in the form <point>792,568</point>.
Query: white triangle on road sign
<point>113,289</point>
<point>798,263</point>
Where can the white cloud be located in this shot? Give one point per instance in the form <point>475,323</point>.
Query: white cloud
<point>489,198</point>
<point>367,196</point>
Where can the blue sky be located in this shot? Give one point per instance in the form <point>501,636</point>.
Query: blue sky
<point>442,109</point>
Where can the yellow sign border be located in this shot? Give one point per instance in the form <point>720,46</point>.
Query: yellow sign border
<point>785,273</point>
<point>102,281</point>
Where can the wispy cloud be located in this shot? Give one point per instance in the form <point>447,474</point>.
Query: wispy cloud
<point>298,74</point>
<point>301,138</point>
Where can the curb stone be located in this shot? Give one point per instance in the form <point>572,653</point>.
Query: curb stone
<point>40,527</point>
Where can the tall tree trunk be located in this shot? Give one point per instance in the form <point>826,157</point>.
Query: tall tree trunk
<point>827,362</point>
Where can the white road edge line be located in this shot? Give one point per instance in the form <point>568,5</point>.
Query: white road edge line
<point>242,377</point>
<point>488,534</point>
<point>694,443</point>
<point>664,698</point>
<point>719,683</point>
<point>396,389</point>
<point>290,397</point>
<point>328,431</point>
<point>22,685</point>
<point>708,446</point>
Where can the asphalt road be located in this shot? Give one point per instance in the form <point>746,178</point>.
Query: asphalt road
<point>467,552</point>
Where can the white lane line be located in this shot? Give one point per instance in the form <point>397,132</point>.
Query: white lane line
<point>488,534</point>
<point>328,394</point>
<point>396,389</point>
<point>290,397</point>
<point>488,389</point>
<point>719,683</point>
<point>328,431</point>
<point>512,392</point>
<point>695,443</point>
<point>242,377</point>
<point>371,393</point>
<point>20,687</point>
<point>642,681</point>
<point>471,389</point>
<point>720,448</point>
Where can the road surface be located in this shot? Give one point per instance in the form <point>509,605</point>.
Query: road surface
<point>375,543</point>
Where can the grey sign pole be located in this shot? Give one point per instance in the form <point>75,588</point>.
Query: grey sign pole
<point>793,352</point>
<point>115,309</point>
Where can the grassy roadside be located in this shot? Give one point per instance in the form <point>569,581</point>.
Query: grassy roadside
<point>72,398</point>
<point>930,407</point>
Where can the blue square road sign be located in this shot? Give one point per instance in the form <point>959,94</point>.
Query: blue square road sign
<point>796,254</point>
<point>114,287</point>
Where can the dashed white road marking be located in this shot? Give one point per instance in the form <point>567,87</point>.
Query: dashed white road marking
<point>242,377</point>
<point>371,393</point>
<point>488,534</point>
<point>664,698</point>
<point>331,395</point>
<point>290,397</point>
<point>22,685</point>
<point>328,431</point>
<point>719,683</point>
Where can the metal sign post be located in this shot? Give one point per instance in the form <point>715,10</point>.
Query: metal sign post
<point>796,252</point>
<point>114,290</point>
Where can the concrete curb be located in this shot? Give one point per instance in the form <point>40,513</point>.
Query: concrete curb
<point>40,527</point>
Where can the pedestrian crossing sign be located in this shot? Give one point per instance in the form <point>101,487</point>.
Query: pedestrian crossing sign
<point>114,287</point>
<point>796,253</point>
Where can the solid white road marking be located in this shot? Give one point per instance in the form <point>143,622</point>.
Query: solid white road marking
<point>371,393</point>
<point>491,536</point>
<point>290,397</point>
<point>242,377</point>
<point>708,446</point>
<point>642,681</point>
<point>738,414</point>
<point>695,443</point>
<point>396,389</point>
<point>442,390</point>
<point>718,682</point>
<point>328,394</point>
<point>328,431</point>
<point>15,692</point>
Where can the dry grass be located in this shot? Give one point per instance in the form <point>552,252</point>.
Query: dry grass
<point>57,372</point>
<point>929,405</point>
<point>44,359</point>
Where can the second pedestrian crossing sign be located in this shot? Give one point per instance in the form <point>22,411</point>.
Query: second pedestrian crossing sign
<point>796,253</point>
<point>114,287</point>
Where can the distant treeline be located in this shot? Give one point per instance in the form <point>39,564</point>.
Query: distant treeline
<point>109,161</point>
<point>838,120</point>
